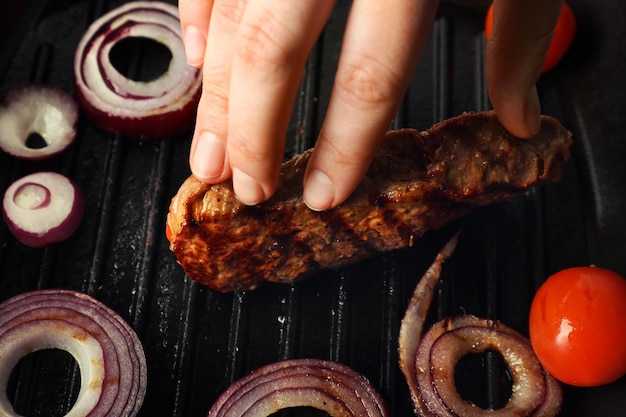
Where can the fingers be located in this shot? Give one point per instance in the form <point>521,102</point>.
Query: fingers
<point>377,62</point>
<point>194,21</point>
<point>255,56</point>
<point>272,44</point>
<point>516,50</point>
<point>208,157</point>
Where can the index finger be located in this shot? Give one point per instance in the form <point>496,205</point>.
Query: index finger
<point>194,21</point>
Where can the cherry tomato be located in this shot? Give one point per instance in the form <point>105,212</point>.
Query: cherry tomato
<point>577,325</point>
<point>561,41</point>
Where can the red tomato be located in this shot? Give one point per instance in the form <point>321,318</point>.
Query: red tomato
<point>561,41</point>
<point>577,326</point>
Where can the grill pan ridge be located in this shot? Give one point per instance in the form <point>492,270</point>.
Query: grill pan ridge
<point>198,341</point>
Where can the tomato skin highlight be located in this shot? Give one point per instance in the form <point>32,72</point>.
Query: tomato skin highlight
<point>577,326</point>
<point>561,41</point>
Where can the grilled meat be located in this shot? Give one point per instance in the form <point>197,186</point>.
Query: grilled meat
<point>418,181</point>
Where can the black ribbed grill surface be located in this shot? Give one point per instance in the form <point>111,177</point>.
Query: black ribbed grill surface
<point>198,341</point>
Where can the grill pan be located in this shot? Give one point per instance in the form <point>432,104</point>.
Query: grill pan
<point>198,341</point>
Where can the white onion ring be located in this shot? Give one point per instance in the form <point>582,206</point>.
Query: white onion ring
<point>428,363</point>
<point>325,385</point>
<point>159,108</point>
<point>108,352</point>
<point>37,108</point>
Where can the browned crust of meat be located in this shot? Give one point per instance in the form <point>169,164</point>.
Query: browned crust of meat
<point>418,181</point>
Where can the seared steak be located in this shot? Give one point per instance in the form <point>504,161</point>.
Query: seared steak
<point>418,181</point>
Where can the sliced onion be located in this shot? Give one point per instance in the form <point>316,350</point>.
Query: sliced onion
<point>154,109</point>
<point>428,362</point>
<point>37,109</point>
<point>108,352</point>
<point>326,385</point>
<point>43,208</point>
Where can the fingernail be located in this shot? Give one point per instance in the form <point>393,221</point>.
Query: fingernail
<point>247,190</point>
<point>194,46</point>
<point>207,161</point>
<point>318,191</point>
<point>532,113</point>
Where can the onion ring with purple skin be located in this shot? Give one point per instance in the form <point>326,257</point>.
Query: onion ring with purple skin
<point>428,362</point>
<point>158,108</point>
<point>108,352</point>
<point>43,208</point>
<point>326,385</point>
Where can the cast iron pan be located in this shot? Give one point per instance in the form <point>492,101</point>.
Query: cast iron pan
<point>198,341</point>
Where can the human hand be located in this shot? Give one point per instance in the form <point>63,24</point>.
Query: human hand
<point>253,55</point>
<point>261,46</point>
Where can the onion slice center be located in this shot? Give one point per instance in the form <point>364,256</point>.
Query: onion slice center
<point>31,196</point>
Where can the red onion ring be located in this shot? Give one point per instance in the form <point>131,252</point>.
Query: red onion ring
<point>159,108</point>
<point>43,208</point>
<point>108,352</point>
<point>428,362</point>
<point>37,108</point>
<point>326,385</point>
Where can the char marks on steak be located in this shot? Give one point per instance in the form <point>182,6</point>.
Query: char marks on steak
<point>418,181</point>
